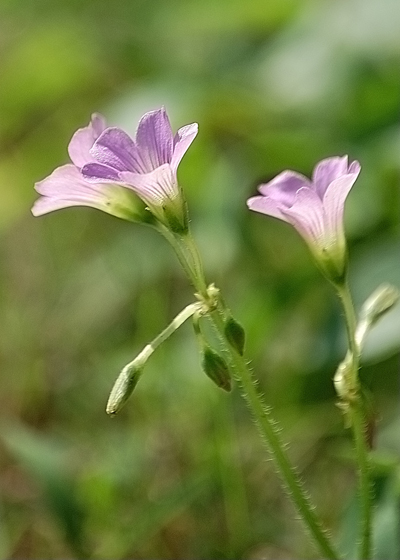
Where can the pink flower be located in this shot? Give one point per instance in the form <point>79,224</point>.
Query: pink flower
<point>315,208</point>
<point>66,186</point>
<point>108,166</point>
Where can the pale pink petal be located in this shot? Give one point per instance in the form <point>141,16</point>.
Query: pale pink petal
<point>155,187</point>
<point>307,216</point>
<point>354,167</point>
<point>182,140</point>
<point>334,199</point>
<point>83,140</point>
<point>283,187</point>
<point>66,187</point>
<point>327,171</point>
<point>154,139</point>
<point>266,205</point>
<point>44,205</point>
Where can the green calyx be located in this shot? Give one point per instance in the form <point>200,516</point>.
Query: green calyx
<point>216,369</point>
<point>124,204</point>
<point>332,262</point>
<point>172,213</point>
<point>235,334</point>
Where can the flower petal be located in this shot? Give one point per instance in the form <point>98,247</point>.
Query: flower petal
<point>307,216</point>
<point>66,187</point>
<point>266,205</point>
<point>327,171</point>
<point>182,140</point>
<point>335,197</point>
<point>154,139</point>
<point>283,187</point>
<point>83,140</point>
<point>354,167</point>
<point>116,149</point>
<point>153,188</point>
<point>96,172</point>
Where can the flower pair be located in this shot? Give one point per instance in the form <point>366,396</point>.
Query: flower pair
<point>108,166</point>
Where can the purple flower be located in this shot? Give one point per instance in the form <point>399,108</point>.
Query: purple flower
<point>108,166</point>
<point>147,165</point>
<point>315,208</point>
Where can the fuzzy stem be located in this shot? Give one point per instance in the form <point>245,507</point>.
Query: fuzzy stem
<point>358,424</point>
<point>267,426</point>
<point>270,433</point>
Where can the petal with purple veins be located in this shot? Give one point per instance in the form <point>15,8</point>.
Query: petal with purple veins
<point>266,205</point>
<point>97,172</point>
<point>307,216</point>
<point>327,171</point>
<point>283,187</point>
<point>155,187</point>
<point>154,139</point>
<point>334,200</point>
<point>116,149</point>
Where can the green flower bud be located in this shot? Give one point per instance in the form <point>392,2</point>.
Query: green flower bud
<point>235,334</point>
<point>123,387</point>
<point>216,369</point>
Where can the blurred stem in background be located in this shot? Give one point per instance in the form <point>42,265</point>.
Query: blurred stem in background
<point>189,257</point>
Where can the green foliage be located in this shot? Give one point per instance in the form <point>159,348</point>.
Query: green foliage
<point>273,86</point>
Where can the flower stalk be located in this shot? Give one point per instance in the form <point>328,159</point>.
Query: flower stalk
<point>267,426</point>
<point>131,373</point>
<point>353,407</point>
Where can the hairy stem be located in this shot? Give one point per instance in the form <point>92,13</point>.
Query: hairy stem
<point>267,426</point>
<point>270,433</point>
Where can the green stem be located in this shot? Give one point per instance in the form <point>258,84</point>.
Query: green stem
<point>189,258</point>
<point>270,433</point>
<point>358,424</point>
<point>130,374</point>
<point>267,426</point>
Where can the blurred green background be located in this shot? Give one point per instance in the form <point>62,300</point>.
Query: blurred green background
<point>181,473</point>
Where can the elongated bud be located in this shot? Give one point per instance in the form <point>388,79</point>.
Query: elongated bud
<point>378,303</point>
<point>215,367</point>
<point>123,387</point>
<point>235,334</point>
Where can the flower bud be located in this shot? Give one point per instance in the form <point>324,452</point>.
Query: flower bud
<point>216,369</point>
<point>235,334</point>
<point>123,387</point>
<point>378,303</point>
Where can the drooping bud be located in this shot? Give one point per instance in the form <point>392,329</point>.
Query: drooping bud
<point>378,303</point>
<point>123,387</point>
<point>131,373</point>
<point>235,334</point>
<point>216,369</point>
